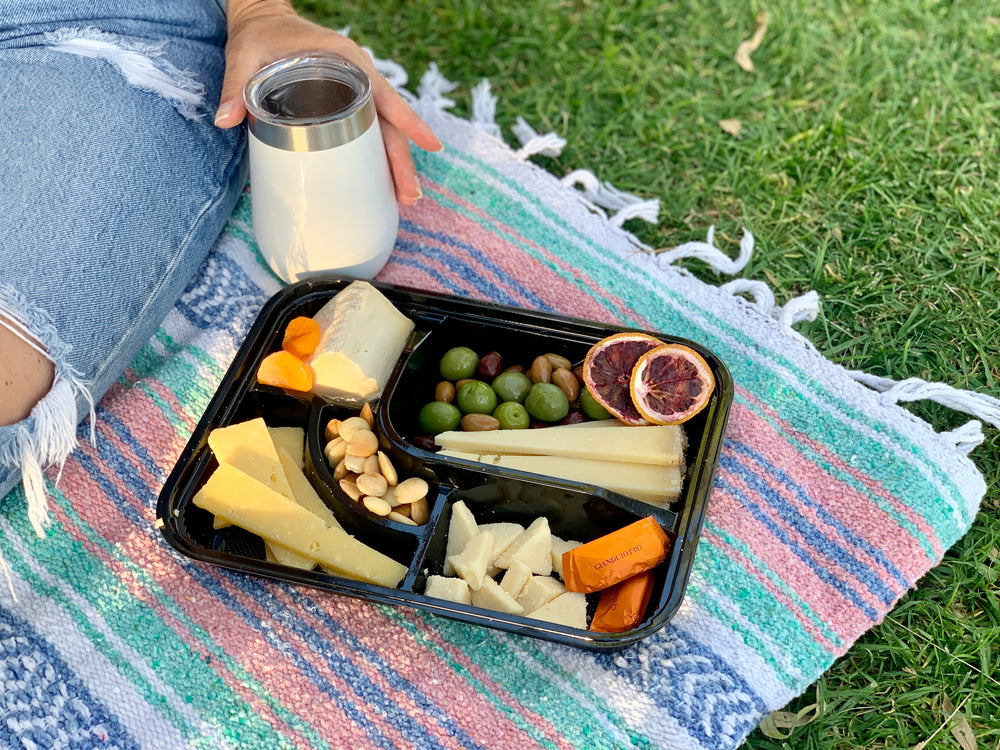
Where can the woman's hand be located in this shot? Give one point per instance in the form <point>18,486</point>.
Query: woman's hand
<point>262,31</point>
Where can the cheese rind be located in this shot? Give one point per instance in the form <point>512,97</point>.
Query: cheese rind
<point>362,337</point>
<point>257,508</point>
<point>661,445</point>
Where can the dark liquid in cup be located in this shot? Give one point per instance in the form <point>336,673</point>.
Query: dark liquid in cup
<point>308,98</point>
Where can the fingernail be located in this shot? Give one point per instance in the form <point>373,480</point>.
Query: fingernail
<point>420,192</point>
<point>223,112</point>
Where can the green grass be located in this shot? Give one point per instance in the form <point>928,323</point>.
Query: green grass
<point>866,168</point>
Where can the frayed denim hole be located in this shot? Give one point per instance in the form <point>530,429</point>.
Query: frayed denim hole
<point>141,63</point>
<point>48,435</point>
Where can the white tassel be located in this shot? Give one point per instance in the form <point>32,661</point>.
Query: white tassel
<point>626,205</point>
<point>967,437</point>
<point>981,406</point>
<point>432,89</point>
<point>532,143</point>
<point>763,297</point>
<point>484,109</point>
<point>708,253</point>
<point>34,489</point>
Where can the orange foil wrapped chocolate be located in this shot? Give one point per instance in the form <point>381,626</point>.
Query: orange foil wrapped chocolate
<point>623,605</point>
<point>614,557</point>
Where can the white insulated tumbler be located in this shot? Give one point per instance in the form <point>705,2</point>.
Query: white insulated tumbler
<point>321,191</point>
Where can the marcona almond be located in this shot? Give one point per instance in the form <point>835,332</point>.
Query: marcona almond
<point>377,505</point>
<point>362,443</point>
<point>335,451</point>
<point>387,469</point>
<point>412,489</point>
<point>480,423</point>
<point>350,489</point>
<point>332,429</point>
<point>371,465</point>
<point>372,484</point>
<point>340,471</point>
<point>351,425</point>
<point>367,414</point>
<point>355,463</point>
<point>400,518</point>
<point>420,511</point>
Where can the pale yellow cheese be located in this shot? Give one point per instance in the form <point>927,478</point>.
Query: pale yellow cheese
<point>568,609</point>
<point>652,484</point>
<point>461,529</point>
<point>504,534</point>
<point>247,446</point>
<point>538,591</point>
<point>292,440</point>
<point>661,445</point>
<point>559,547</point>
<point>262,511</point>
<point>491,596</point>
<point>362,335</point>
<point>302,490</point>
<point>470,564</point>
<point>451,589</point>
<point>533,547</point>
<point>514,579</point>
<point>284,556</point>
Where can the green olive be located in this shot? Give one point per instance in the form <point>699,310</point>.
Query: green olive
<point>476,397</point>
<point>547,402</point>
<point>512,416</point>
<point>458,363</point>
<point>439,416</point>
<point>591,407</point>
<point>512,386</point>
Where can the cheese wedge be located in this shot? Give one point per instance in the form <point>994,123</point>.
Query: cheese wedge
<point>491,596</point>
<point>470,564</point>
<point>257,508</point>
<point>660,445</point>
<point>514,580</point>
<point>303,492</point>
<point>659,485</point>
<point>284,556</point>
<point>452,589</point>
<point>362,337</point>
<point>293,440</point>
<point>539,590</point>
<point>558,547</point>
<point>504,535</point>
<point>247,446</point>
<point>461,529</point>
<point>568,609</point>
<point>533,547</point>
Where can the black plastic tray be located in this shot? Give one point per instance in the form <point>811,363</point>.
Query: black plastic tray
<point>574,510</point>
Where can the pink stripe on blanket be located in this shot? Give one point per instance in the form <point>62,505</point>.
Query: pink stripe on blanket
<point>860,512</point>
<point>504,247</point>
<point>808,625</point>
<point>412,661</point>
<point>193,599</point>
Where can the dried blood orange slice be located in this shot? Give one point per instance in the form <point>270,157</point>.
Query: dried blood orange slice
<point>607,372</point>
<point>670,384</point>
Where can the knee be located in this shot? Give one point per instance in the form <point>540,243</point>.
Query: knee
<point>26,373</point>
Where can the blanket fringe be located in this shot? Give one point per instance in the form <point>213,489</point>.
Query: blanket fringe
<point>983,407</point>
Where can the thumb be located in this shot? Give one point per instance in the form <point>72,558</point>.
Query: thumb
<point>231,109</point>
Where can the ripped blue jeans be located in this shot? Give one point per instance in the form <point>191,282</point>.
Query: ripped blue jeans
<point>114,184</point>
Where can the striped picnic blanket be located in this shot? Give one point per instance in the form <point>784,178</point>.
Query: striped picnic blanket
<point>830,502</point>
